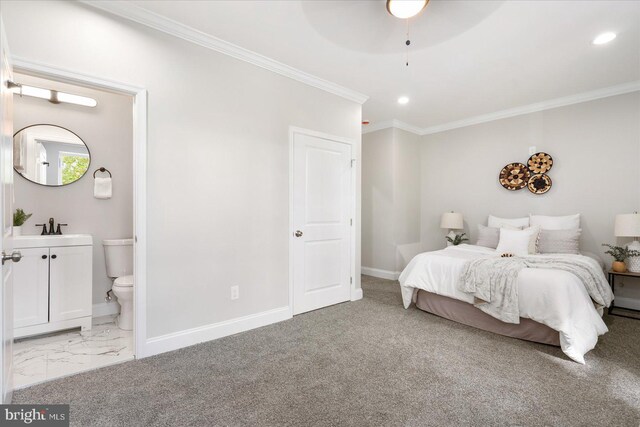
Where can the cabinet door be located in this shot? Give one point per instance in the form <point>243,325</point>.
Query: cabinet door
<point>31,288</point>
<point>70,282</point>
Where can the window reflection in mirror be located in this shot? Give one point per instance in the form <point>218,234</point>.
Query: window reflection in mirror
<point>50,155</point>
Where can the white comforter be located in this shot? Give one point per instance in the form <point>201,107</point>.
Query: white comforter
<point>555,298</point>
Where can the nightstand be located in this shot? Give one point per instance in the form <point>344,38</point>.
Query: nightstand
<point>612,279</point>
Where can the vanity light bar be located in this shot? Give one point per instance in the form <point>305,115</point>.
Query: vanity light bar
<point>52,96</point>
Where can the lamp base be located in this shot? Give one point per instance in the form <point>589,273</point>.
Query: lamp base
<point>451,235</point>
<point>633,263</point>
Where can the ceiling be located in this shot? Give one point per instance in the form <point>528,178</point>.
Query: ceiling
<point>467,58</point>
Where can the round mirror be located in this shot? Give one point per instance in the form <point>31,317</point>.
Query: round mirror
<point>50,155</point>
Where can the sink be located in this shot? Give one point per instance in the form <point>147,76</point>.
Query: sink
<point>39,241</point>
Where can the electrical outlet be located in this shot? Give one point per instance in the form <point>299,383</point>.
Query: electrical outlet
<point>532,150</point>
<point>235,292</point>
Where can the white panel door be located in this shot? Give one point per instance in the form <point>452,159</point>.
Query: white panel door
<point>322,202</point>
<point>70,282</point>
<point>31,288</point>
<point>6,218</point>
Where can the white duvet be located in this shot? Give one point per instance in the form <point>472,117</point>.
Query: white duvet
<point>552,297</point>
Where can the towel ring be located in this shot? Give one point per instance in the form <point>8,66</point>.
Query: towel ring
<point>102,169</point>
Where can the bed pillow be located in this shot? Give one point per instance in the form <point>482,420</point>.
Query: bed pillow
<point>568,222</point>
<point>490,236</point>
<point>496,222</point>
<point>518,242</point>
<point>559,241</point>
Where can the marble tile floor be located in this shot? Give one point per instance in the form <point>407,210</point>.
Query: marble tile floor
<point>52,356</point>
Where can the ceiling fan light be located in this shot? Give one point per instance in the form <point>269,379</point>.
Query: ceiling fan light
<point>405,9</point>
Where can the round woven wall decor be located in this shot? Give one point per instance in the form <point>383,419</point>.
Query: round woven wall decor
<point>540,163</point>
<point>539,183</point>
<point>514,176</point>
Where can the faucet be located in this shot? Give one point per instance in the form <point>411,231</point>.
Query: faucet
<point>51,231</point>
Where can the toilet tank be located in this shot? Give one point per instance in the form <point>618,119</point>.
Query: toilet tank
<point>118,257</point>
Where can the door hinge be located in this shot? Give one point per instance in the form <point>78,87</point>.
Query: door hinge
<point>350,221</point>
<point>351,280</point>
<point>353,161</point>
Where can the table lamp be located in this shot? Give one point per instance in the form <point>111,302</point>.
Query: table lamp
<point>452,221</point>
<point>628,225</point>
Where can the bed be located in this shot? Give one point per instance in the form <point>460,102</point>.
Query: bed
<point>554,306</point>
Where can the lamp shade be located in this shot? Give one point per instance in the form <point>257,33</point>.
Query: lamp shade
<point>452,220</point>
<point>627,225</point>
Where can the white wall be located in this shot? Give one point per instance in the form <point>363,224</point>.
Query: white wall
<point>107,132</point>
<point>217,156</point>
<point>390,199</point>
<point>596,150</point>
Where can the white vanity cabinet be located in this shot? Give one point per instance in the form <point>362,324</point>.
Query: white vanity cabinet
<point>31,288</point>
<point>52,284</point>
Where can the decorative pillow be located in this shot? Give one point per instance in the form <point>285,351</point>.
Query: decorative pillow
<point>533,242</point>
<point>569,222</point>
<point>488,236</point>
<point>518,242</point>
<point>496,222</point>
<point>559,241</point>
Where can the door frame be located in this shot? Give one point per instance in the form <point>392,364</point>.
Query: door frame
<point>139,95</point>
<point>355,294</point>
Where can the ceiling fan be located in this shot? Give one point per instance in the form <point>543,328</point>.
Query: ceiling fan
<point>405,9</point>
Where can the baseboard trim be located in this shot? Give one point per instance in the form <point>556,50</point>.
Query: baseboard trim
<point>381,274</point>
<point>189,337</point>
<point>626,302</point>
<point>105,309</point>
<point>356,294</point>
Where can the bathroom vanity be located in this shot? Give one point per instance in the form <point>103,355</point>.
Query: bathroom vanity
<point>52,283</point>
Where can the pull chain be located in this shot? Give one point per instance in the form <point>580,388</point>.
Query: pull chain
<point>408,42</point>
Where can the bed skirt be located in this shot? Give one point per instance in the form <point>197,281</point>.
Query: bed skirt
<point>467,314</point>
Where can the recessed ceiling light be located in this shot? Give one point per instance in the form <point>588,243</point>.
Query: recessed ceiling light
<point>405,9</point>
<point>403,100</point>
<point>604,38</point>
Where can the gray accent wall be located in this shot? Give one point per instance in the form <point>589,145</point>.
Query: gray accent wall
<point>390,199</point>
<point>596,150</point>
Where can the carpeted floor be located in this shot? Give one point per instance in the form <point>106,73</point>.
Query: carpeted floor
<point>363,363</point>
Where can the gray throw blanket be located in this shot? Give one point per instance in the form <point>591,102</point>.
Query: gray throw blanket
<point>494,281</point>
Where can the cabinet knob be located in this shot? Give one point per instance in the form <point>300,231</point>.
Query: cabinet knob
<point>44,257</point>
<point>54,256</point>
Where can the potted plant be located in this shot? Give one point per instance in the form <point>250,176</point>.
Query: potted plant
<point>459,238</point>
<point>19,218</point>
<point>619,254</point>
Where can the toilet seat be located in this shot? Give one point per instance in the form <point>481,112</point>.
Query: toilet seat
<point>124,282</point>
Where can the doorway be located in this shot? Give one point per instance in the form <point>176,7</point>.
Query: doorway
<point>73,183</point>
<point>322,212</point>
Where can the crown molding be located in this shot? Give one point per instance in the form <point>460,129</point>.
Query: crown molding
<point>538,106</point>
<point>593,95</point>
<point>392,124</point>
<point>150,19</point>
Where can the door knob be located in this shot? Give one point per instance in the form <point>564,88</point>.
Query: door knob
<point>298,233</point>
<point>15,257</point>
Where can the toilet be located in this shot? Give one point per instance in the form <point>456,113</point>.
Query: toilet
<point>118,256</point>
